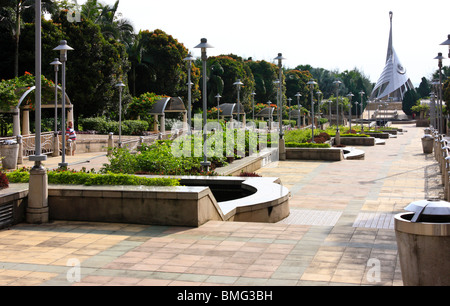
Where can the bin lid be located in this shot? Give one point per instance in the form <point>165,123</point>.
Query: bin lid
<point>430,207</point>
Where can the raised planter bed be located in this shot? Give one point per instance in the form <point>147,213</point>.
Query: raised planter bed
<point>259,200</point>
<point>331,154</point>
<point>378,135</point>
<point>358,141</point>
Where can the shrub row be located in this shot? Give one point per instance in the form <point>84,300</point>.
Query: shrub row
<point>89,179</point>
<point>104,126</point>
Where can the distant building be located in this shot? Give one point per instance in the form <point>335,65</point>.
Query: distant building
<point>393,82</point>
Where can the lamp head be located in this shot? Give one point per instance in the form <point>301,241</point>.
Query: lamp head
<point>447,43</point>
<point>56,63</point>
<point>63,48</point>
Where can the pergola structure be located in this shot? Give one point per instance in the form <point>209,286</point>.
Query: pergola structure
<point>24,129</point>
<point>167,105</point>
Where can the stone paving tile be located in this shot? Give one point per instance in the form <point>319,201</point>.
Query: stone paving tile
<point>355,246</point>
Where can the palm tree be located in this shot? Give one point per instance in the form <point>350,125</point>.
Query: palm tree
<point>106,16</point>
<point>135,49</point>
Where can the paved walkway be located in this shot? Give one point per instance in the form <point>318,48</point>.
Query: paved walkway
<point>340,232</point>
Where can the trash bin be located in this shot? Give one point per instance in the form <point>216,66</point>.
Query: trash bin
<point>9,151</point>
<point>423,241</point>
<point>427,144</point>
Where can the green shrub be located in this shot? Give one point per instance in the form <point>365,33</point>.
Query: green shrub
<point>104,126</point>
<point>306,145</point>
<point>85,178</point>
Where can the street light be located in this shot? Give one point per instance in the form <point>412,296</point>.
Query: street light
<point>56,63</point>
<point>447,43</point>
<point>120,86</point>
<point>289,112</point>
<point>253,106</point>
<point>319,94</point>
<point>311,84</point>
<point>63,48</point>
<point>338,134</point>
<point>280,58</point>
<point>238,83</point>
<point>203,46</point>
<point>362,93</point>
<point>440,58</point>
<point>362,105</point>
<point>270,114</point>
<point>218,96</point>
<point>350,95</point>
<point>329,109</point>
<point>189,59</point>
<point>433,110</point>
<point>298,95</point>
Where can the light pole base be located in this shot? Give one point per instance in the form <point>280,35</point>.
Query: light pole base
<point>337,139</point>
<point>37,210</point>
<point>281,149</point>
<point>63,165</point>
<point>205,165</point>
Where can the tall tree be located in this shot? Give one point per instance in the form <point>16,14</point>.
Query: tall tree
<point>15,22</point>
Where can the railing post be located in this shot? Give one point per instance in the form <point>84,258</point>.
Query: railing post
<point>110,143</point>
<point>20,155</point>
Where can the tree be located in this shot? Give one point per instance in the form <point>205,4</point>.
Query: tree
<point>409,100</point>
<point>424,88</point>
<point>165,71</point>
<point>265,74</point>
<point>93,68</point>
<point>14,21</point>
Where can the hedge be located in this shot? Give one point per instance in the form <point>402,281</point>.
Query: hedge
<point>104,126</point>
<point>89,179</point>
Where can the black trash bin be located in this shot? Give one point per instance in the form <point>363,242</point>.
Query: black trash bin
<point>423,240</point>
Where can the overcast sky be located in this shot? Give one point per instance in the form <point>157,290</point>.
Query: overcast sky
<point>335,35</point>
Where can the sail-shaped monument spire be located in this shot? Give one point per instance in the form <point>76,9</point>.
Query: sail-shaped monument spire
<point>393,82</point>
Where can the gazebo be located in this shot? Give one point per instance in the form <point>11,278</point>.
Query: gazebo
<point>267,112</point>
<point>26,112</point>
<point>167,105</point>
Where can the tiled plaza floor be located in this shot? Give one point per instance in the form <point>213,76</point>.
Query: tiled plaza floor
<point>340,232</point>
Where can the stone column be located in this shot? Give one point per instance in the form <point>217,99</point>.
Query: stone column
<point>155,124</point>
<point>26,122</point>
<point>163,123</point>
<point>16,122</point>
<point>20,155</point>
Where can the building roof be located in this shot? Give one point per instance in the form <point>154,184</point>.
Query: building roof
<point>168,105</point>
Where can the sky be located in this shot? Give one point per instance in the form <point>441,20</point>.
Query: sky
<point>335,35</point>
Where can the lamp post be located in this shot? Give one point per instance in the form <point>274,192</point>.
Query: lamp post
<point>319,100</point>
<point>203,46</point>
<point>189,59</point>
<point>63,48</point>
<point>447,43</point>
<point>218,96</point>
<point>56,63</point>
<point>311,84</point>
<point>120,86</point>
<point>361,104</point>
<point>329,110</point>
<point>362,93</point>
<point>280,58</point>
<point>298,95</point>
<point>350,96</point>
<point>440,58</point>
<point>356,104</point>
<point>37,208</point>
<point>433,110</point>
<point>338,135</point>
<point>238,83</point>
<point>270,114</point>
<point>289,112</point>
<point>253,106</point>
